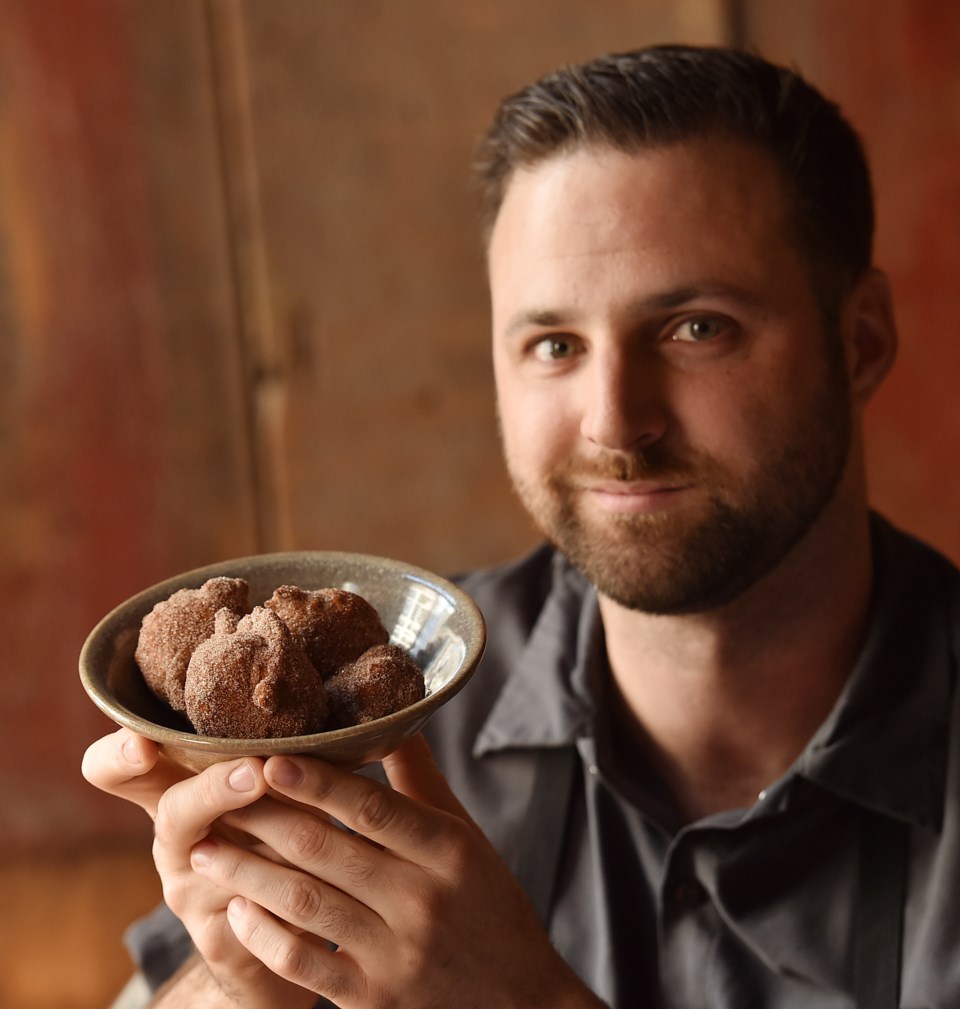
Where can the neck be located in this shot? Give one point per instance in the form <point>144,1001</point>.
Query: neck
<point>724,702</point>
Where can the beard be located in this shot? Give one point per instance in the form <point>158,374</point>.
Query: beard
<point>705,553</point>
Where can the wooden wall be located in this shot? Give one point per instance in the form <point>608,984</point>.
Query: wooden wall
<point>242,308</point>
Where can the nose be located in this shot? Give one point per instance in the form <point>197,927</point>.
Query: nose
<point>624,401</point>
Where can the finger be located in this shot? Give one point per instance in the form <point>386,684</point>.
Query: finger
<point>297,898</point>
<point>412,770</point>
<point>310,841</point>
<point>130,767</point>
<point>397,823</point>
<point>187,810</point>
<point>299,959</point>
<point>186,813</point>
<point>244,826</point>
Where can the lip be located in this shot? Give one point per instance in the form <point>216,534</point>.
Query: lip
<point>637,497</point>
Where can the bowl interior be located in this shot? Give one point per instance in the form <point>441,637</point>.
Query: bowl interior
<point>435,621</point>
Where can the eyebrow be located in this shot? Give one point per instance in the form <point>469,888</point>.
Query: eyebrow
<point>547,318</point>
<point>544,318</point>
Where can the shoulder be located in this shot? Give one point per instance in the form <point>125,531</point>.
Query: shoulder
<point>514,591</point>
<point>902,558</point>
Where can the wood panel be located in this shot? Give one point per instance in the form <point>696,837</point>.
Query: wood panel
<point>892,65</point>
<point>363,118</point>
<point>125,451</point>
<point>242,307</point>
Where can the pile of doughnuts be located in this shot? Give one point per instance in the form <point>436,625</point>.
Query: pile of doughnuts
<point>305,661</point>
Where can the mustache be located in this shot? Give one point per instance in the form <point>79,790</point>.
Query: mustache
<point>652,463</point>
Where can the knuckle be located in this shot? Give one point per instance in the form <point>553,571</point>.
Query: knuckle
<point>291,961</point>
<point>426,904</point>
<point>211,789</point>
<point>228,868</point>
<point>375,812</point>
<point>309,841</point>
<point>460,852</point>
<point>174,809</point>
<point>166,815</point>
<point>321,784</point>
<point>300,901</point>
<point>336,922</point>
<point>303,904</point>
<point>357,868</point>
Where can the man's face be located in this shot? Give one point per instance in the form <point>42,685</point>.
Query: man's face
<point>674,416</point>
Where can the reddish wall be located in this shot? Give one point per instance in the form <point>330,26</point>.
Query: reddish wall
<point>894,66</point>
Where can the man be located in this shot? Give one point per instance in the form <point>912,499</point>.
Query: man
<point>711,733</point>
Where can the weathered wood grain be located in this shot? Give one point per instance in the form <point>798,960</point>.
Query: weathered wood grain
<point>363,119</point>
<point>125,448</point>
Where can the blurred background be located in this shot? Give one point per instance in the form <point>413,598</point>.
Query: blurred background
<point>242,309</point>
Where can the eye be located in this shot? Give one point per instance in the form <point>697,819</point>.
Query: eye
<point>700,329</point>
<point>554,348</point>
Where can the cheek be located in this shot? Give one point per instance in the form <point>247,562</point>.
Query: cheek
<point>728,430</point>
<point>534,428</point>
<point>740,410</point>
<point>751,439</point>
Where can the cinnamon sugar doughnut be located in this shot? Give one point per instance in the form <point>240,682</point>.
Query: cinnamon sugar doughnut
<point>333,626</point>
<point>175,626</point>
<point>382,680</point>
<point>303,662</point>
<point>251,680</point>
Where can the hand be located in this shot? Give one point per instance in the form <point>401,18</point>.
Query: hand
<point>186,809</point>
<point>421,909</point>
<point>130,767</point>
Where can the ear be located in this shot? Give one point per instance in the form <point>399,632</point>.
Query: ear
<point>870,334</point>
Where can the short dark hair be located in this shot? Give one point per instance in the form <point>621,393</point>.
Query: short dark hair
<point>669,94</point>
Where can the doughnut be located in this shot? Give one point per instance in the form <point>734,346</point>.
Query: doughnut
<point>174,627</point>
<point>302,662</point>
<point>333,626</point>
<point>382,680</point>
<point>251,680</point>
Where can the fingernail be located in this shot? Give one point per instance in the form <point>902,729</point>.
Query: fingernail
<point>203,852</point>
<point>286,773</point>
<point>241,778</point>
<point>236,907</point>
<point>131,752</point>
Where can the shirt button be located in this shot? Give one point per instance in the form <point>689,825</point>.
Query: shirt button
<point>687,892</point>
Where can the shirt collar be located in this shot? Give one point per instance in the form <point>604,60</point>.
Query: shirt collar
<point>546,701</point>
<point>884,745</point>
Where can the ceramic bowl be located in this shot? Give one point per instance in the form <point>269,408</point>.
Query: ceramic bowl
<point>435,621</point>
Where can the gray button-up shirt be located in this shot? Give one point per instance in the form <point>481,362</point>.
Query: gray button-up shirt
<point>748,908</point>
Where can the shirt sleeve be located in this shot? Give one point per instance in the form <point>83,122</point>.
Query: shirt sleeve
<point>159,946</point>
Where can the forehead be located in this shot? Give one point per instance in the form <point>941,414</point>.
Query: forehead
<point>713,204</point>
